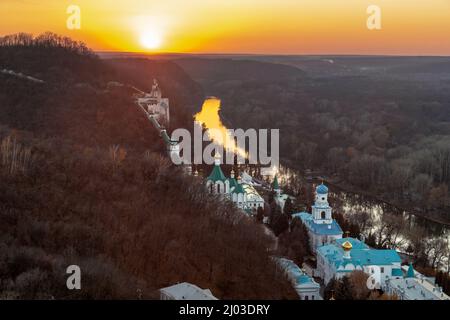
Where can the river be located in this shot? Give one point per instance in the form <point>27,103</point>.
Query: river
<point>351,204</point>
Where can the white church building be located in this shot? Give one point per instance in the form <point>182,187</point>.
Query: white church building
<point>243,194</point>
<point>346,255</point>
<point>322,228</point>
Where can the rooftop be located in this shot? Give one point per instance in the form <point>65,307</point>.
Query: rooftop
<point>187,291</point>
<point>296,274</point>
<point>251,192</point>
<point>322,189</point>
<point>216,174</point>
<point>360,254</point>
<point>318,228</point>
<point>417,289</point>
<point>238,189</point>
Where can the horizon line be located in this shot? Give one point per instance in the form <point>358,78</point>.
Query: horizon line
<point>274,54</point>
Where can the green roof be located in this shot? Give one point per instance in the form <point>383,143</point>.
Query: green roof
<point>216,174</point>
<point>410,273</point>
<point>233,182</point>
<point>275,184</point>
<point>238,189</point>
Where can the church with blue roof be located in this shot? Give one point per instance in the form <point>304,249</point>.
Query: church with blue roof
<point>322,228</point>
<point>349,254</point>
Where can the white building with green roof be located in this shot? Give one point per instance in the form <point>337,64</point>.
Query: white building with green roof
<point>243,195</point>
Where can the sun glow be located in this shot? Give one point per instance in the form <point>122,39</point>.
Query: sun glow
<point>150,30</point>
<point>151,40</point>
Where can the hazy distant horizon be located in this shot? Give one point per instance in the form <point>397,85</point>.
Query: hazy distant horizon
<point>102,52</point>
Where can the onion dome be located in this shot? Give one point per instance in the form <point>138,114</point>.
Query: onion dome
<point>322,189</point>
<point>347,246</point>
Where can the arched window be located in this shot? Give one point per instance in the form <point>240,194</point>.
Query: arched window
<point>323,215</point>
<point>306,298</point>
<point>218,188</point>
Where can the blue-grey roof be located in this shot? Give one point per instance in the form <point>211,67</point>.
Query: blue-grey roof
<point>322,189</point>
<point>303,279</point>
<point>360,254</point>
<point>296,273</point>
<point>318,228</point>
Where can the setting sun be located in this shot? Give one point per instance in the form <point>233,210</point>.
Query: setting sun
<point>151,40</point>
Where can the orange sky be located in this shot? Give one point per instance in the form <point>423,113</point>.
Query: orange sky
<point>413,27</point>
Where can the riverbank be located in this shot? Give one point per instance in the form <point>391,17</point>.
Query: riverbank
<point>342,186</point>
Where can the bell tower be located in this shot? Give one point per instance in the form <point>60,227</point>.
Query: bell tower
<point>321,210</point>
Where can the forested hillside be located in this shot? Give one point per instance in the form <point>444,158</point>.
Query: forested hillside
<point>84,181</point>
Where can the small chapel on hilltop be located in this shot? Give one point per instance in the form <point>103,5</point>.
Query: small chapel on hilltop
<point>155,104</point>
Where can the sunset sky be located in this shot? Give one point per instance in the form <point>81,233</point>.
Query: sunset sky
<point>413,27</point>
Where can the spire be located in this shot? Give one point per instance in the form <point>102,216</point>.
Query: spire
<point>275,184</point>
<point>216,173</point>
<point>410,273</point>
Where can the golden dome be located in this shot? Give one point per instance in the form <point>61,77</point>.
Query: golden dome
<point>347,246</point>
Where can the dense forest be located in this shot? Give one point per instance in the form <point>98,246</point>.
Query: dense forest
<point>373,125</point>
<point>84,180</point>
